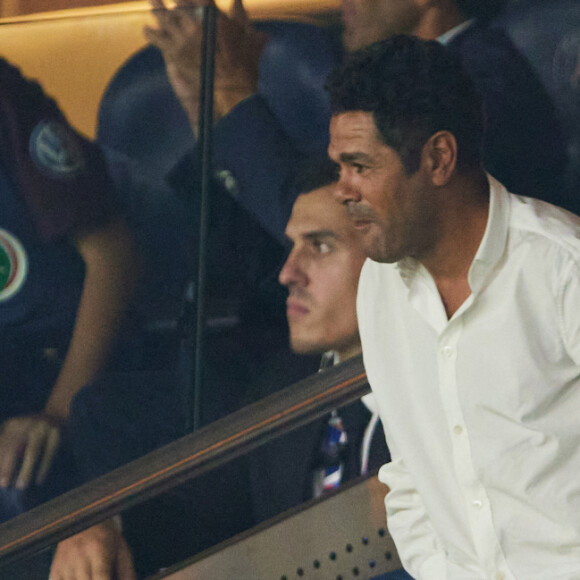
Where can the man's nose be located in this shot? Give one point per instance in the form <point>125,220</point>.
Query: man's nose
<point>344,192</point>
<point>291,272</point>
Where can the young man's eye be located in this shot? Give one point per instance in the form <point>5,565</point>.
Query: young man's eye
<point>323,248</point>
<point>358,168</point>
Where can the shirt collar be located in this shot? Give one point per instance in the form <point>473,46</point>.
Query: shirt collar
<point>448,36</point>
<point>329,359</point>
<point>494,239</point>
<point>407,269</point>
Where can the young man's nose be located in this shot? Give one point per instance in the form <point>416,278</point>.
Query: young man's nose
<point>292,272</point>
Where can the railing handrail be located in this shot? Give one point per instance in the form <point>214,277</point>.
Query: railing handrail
<point>181,460</point>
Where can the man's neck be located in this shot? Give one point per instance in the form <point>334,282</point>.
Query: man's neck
<point>463,220</point>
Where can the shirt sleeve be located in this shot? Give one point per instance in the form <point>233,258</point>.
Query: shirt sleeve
<point>409,524</point>
<point>255,159</point>
<point>254,162</point>
<point>61,175</point>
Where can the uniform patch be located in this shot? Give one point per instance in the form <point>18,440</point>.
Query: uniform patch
<point>56,150</point>
<point>13,265</point>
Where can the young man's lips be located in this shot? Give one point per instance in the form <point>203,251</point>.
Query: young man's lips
<point>295,308</point>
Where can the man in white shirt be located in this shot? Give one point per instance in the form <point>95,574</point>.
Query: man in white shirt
<point>469,321</point>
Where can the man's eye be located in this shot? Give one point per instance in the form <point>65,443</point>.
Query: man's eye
<point>358,168</point>
<point>323,248</point>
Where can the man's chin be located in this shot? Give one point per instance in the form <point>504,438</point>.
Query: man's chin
<point>306,347</point>
<point>376,250</point>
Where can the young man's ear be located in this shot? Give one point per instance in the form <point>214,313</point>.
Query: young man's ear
<point>440,155</point>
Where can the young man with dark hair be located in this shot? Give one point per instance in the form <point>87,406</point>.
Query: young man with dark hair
<point>469,324</point>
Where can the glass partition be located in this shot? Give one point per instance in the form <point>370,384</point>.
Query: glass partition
<point>195,222</point>
<point>113,88</point>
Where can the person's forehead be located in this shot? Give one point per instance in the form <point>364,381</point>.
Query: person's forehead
<point>318,213</point>
<point>351,130</point>
<point>353,123</point>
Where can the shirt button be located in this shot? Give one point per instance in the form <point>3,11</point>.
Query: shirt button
<point>477,504</point>
<point>458,429</point>
<point>448,351</point>
<point>500,576</point>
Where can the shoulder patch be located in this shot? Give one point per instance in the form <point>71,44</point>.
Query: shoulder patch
<point>55,150</point>
<point>13,265</point>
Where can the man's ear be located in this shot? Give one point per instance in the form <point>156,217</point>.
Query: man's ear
<point>440,156</point>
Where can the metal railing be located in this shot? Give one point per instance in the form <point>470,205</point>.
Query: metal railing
<point>183,459</point>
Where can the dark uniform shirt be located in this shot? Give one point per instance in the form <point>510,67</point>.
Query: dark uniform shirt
<point>53,183</point>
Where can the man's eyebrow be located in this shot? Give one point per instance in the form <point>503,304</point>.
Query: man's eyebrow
<point>353,157</point>
<point>317,234</point>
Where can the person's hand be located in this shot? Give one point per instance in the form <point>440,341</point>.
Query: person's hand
<point>28,445</point>
<point>97,553</point>
<point>238,50</point>
<point>178,37</point>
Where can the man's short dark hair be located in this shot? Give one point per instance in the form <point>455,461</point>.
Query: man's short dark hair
<point>413,88</point>
<point>314,173</point>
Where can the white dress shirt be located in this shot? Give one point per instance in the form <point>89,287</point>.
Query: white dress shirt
<point>482,411</point>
